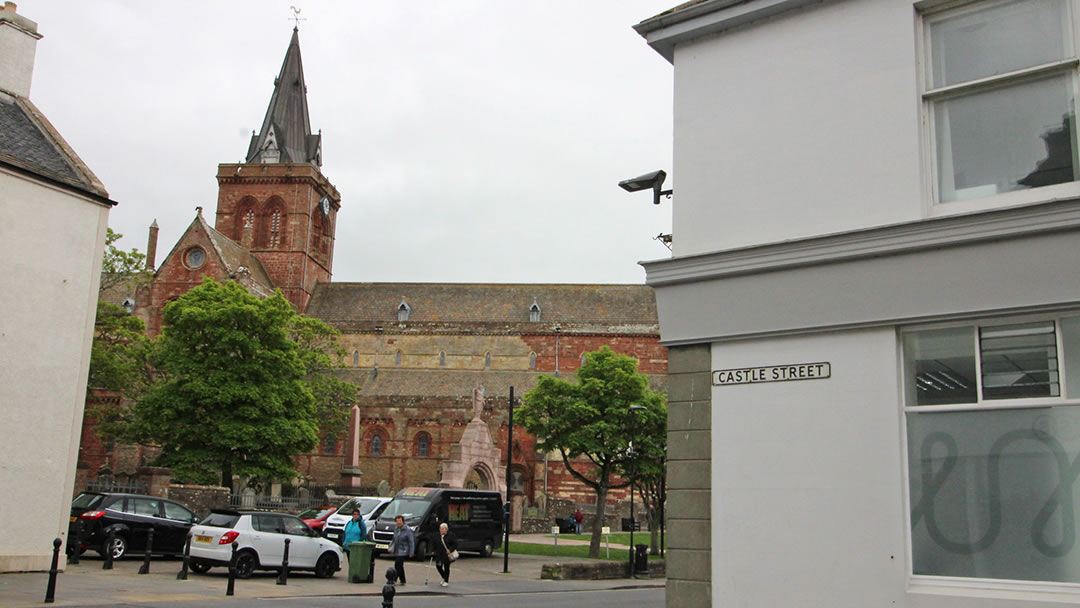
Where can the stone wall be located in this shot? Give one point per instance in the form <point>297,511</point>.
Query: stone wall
<point>200,499</point>
<point>598,570</point>
<point>689,477</point>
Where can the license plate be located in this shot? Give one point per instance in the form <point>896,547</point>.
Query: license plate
<point>203,539</point>
<point>333,534</point>
<point>382,547</point>
<point>73,518</point>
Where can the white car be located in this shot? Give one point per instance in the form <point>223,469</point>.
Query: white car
<point>260,542</point>
<point>370,509</point>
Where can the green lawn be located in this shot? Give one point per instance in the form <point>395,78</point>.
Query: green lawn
<point>619,538</point>
<point>569,551</point>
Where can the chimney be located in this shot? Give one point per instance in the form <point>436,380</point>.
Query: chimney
<point>151,246</point>
<point>18,43</point>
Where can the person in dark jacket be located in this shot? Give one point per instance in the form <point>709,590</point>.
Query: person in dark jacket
<point>447,545</point>
<point>401,546</point>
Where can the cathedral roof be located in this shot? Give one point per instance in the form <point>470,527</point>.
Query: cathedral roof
<point>397,382</point>
<point>286,135</point>
<point>572,307</point>
<point>31,144</point>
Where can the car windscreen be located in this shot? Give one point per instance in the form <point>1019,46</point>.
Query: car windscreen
<point>315,513</point>
<point>365,505</point>
<point>409,508</point>
<point>86,501</point>
<point>221,520</point>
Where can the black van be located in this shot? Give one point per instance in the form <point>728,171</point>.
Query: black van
<point>474,516</point>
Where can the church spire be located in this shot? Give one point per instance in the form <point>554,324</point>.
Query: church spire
<point>286,135</point>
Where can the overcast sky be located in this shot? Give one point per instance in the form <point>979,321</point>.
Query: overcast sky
<point>471,141</point>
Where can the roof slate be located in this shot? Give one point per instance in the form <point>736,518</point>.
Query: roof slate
<point>584,306</point>
<point>288,113</point>
<point>397,382</point>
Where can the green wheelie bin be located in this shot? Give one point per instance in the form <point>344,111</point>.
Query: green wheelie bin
<point>361,562</point>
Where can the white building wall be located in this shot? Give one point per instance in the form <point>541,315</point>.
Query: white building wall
<point>808,476</point>
<point>799,125</point>
<point>53,242</point>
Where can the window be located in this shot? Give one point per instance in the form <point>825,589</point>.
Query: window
<point>247,230</point>
<point>177,513</point>
<point>993,428</point>
<point>194,258</point>
<point>534,311</point>
<point>403,311</point>
<point>442,359</point>
<point>532,360</point>
<point>275,229</point>
<point>397,359</point>
<point>1000,94</point>
<point>376,446</point>
<point>355,358</point>
<point>423,444</point>
<point>487,360</point>
<point>330,444</point>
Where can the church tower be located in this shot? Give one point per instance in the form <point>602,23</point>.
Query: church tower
<point>277,203</point>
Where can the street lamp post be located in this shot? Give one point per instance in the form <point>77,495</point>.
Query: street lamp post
<point>630,454</point>
<point>506,509</point>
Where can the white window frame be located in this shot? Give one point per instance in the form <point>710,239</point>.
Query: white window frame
<point>928,11</point>
<point>938,582</point>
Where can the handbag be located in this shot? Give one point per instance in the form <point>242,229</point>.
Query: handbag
<point>450,555</point>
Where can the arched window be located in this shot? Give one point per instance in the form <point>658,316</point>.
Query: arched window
<point>532,360</point>
<point>376,445</point>
<point>355,358</point>
<point>274,239</point>
<point>583,358</point>
<point>330,445</point>
<point>397,359</point>
<point>442,359</point>
<point>487,360</point>
<point>247,228</point>
<point>423,444</point>
<point>534,311</point>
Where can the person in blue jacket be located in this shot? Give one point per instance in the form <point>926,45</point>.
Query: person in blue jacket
<point>355,530</point>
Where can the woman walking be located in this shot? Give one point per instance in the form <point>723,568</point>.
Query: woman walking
<point>445,553</point>
<point>355,530</point>
<point>401,546</point>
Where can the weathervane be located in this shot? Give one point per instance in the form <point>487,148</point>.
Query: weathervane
<point>296,16</point>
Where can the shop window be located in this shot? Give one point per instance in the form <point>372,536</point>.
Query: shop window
<point>993,436</point>
<point>999,91</point>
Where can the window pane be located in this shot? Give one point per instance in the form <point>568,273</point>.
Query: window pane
<point>997,40</point>
<point>1019,361</point>
<point>939,366</point>
<point>1070,344</point>
<point>1005,139</point>
<point>175,511</point>
<point>992,494</point>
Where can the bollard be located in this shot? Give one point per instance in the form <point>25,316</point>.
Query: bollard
<point>75,547</point>
<point>182,575</point>
<point>50,590</point>
<point>283,576</point>
<point>232,571</point>
<point>145,568</point>
<point>109,540</point>
<point>388,589</point>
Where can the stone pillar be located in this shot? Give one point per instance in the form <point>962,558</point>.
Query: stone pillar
<point>157,480</point>
<point>689,477</point>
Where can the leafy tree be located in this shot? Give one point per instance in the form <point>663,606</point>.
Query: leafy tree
<point>321,354</point>
<point>119,267</point>
<point>592,418</point>
<point>648,469</point>
<point>233,396</point>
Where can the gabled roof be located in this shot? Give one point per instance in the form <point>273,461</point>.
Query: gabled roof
<point>29,142</point>
<point>286,125</point>
<point>582,308</point>
<point>237,260</point>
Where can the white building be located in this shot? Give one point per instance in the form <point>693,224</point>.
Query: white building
<point>53,214</point>
<point>873,304</point>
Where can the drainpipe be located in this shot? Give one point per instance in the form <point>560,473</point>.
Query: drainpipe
<point>557,330</point>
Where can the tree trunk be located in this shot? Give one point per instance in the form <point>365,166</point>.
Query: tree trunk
<point>598,520</point>
<point>226,475</point>
<point>654,531</point>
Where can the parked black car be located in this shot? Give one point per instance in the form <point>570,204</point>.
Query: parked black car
<point>130,516</point>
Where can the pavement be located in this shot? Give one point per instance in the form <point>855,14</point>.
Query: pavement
<point>86,584</point>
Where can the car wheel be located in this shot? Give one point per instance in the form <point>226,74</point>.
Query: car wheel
<point>488,548</point>
<point>199,567</point>
<point>118,549</point>
<point>326,566</point>
<point>246,562</point>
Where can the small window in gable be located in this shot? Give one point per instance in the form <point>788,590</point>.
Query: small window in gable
<point>403,311</point>
<point>534,311</point>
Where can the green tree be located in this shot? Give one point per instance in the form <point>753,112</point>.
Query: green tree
<point>321,354</point>
<point>119,266</point>
<point>592,418</point>
<point>233,397</point>
<point>648,468</point>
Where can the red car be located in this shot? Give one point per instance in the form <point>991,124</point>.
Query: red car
<point>316,518</point>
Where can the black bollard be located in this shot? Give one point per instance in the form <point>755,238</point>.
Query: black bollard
<point>283,576</point>
<point>50,590</point>
<point>145,568</point>
<point>74,547</point>
<point>182,575</point>
<point>388,589</point>
<point>109,540</point>
<point>232,571</point>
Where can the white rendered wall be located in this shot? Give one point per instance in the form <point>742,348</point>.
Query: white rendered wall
<point>807,476</point>
<point>17,49</point>
<point>800,125</point>
<point>53,242</point>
